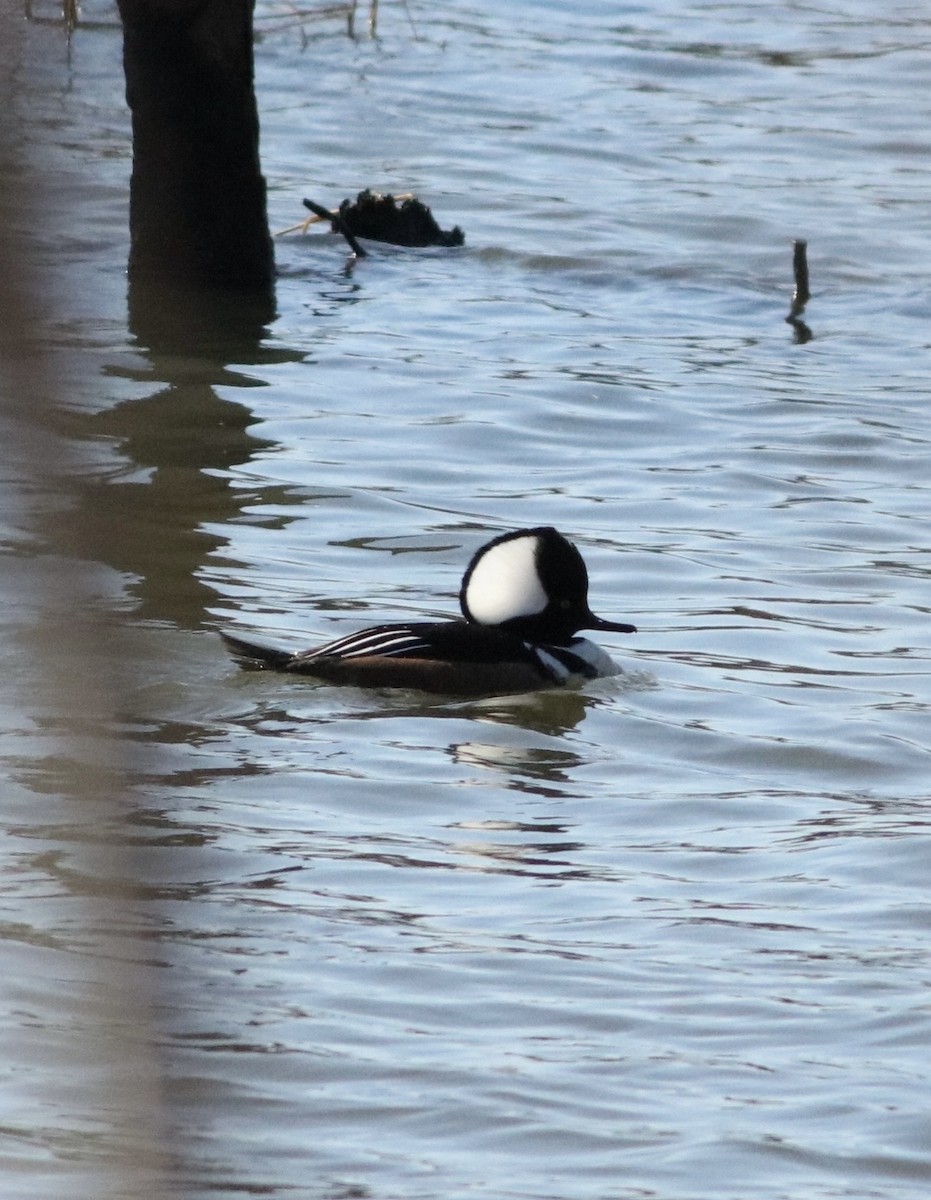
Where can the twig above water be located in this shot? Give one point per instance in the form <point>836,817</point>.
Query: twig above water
<point>339,224</point>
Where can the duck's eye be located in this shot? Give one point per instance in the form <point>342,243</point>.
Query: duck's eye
<point>564,604</point>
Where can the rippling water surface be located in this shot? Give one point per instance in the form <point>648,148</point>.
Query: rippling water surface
<point>666,936</point>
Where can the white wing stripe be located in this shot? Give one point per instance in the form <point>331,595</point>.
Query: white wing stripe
<point>383,642</point>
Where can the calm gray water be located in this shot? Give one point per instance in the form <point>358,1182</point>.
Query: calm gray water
<point>665,937</point>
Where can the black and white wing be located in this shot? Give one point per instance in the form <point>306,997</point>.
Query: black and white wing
<point>417,640</point>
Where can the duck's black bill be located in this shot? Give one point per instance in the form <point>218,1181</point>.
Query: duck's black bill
<point>611,626</point>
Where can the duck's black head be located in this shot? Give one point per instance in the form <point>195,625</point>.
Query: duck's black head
<point>533,583</point>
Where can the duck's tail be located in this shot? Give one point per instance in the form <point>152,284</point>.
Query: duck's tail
<point>248,654</point>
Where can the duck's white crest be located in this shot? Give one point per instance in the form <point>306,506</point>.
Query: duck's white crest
<point>504,583</point>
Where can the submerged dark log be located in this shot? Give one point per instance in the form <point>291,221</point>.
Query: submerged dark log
<point>197,197</point>
<point>383,219</point>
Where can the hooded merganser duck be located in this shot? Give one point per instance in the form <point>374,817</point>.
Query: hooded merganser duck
<point>524,597</point>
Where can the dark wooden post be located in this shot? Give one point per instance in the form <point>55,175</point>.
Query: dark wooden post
<point>197,200</point>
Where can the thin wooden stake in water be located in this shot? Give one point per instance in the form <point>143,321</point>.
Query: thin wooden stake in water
<point>801,295</point>
<point>800,267</point>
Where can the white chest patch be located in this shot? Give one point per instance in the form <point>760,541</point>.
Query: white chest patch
<point>504,583</point>
<point>600,659</point>
<point>593,656</point>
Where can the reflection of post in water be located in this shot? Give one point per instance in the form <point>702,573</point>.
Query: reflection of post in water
<point>154,519</point>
